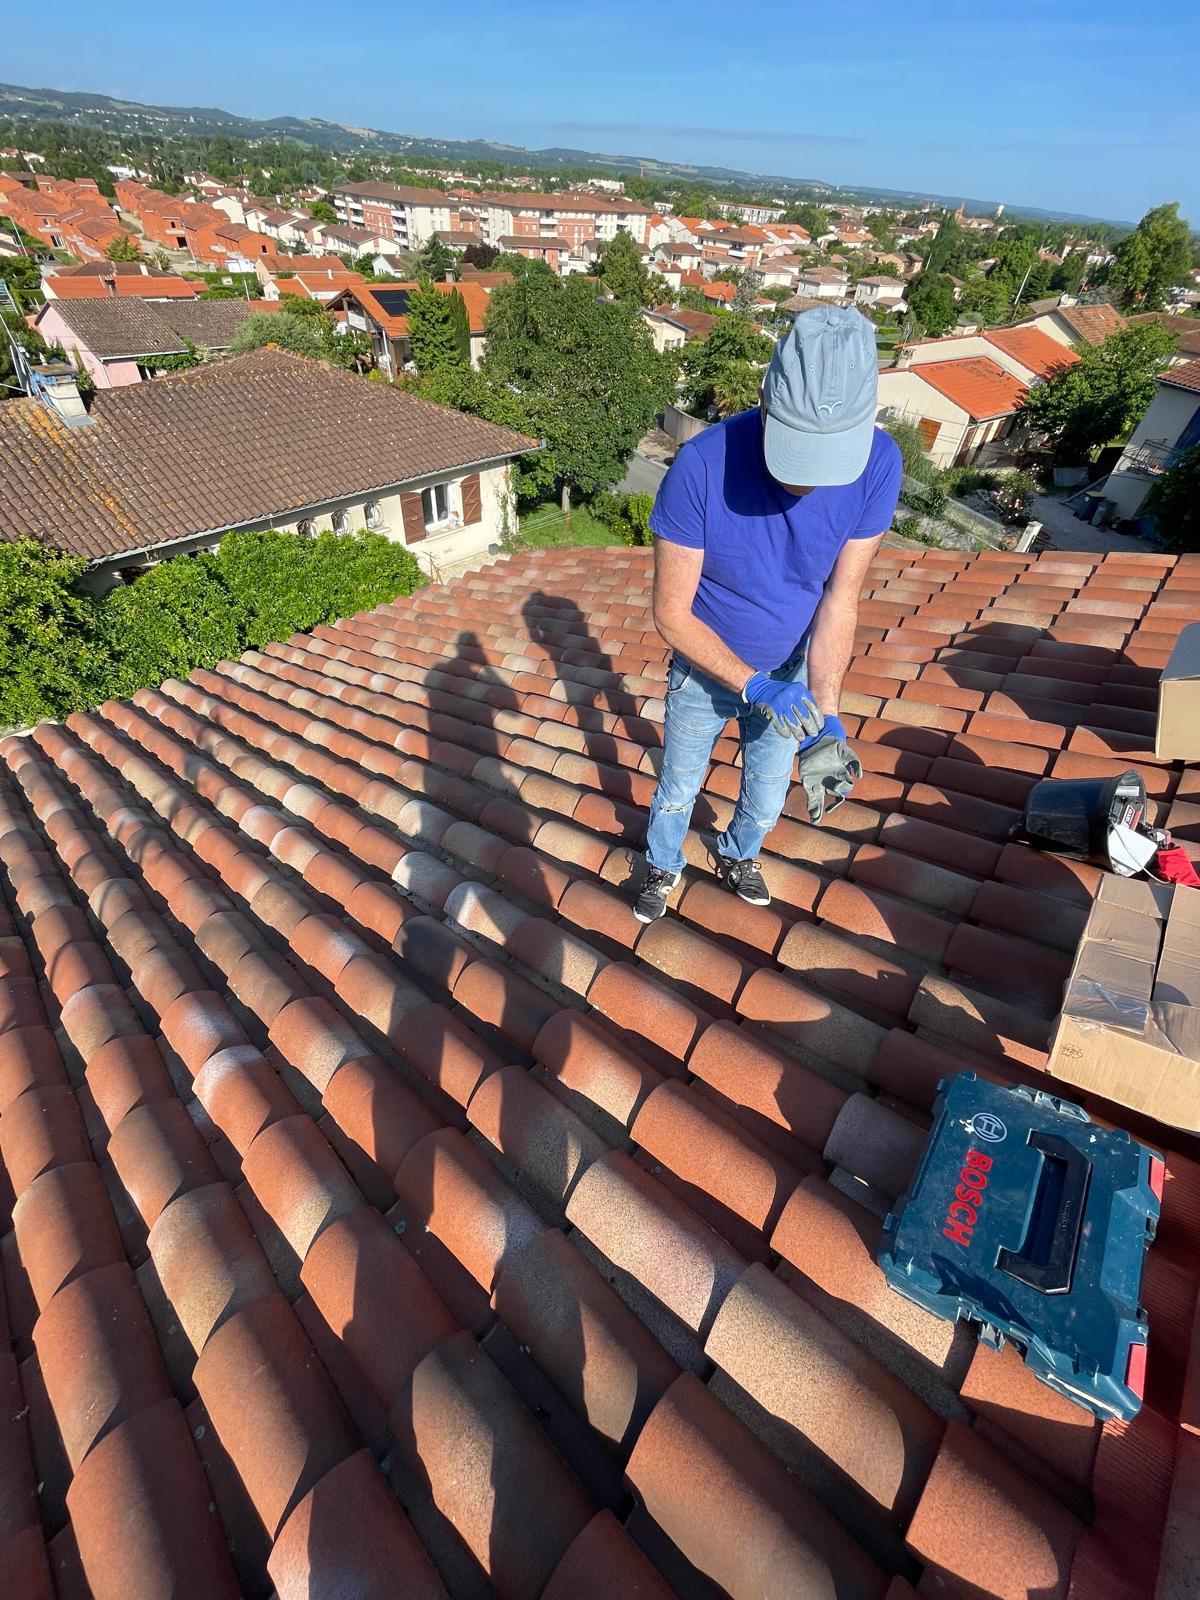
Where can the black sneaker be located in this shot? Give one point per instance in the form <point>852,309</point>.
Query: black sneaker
<point>745,879</point>
<point>652,899</point>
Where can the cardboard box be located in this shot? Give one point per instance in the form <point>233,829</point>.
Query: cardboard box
<point>1130,1023</point>
<point>1178,734</point>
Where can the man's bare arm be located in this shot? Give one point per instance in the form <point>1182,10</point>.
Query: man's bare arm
<point>676,578</point>
<point>831,639</point>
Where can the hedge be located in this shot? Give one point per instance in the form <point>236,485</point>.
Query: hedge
<point>63,649</point>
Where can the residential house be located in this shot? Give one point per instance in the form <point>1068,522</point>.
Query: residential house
<point>721,294</point>
<point>1026,353</point>
<point>756,214</point>
<point>823,283</point>
<point>1077,324</point>
<point>680,256</point>
<point>580,219</point>
<point>117,280</point>
<point>671,327</point>
<point>1170,426</point>
<point>120,342</point>
<point>263,440</point>
<point>401,214</point>
<point>879,291</point>
<point>66,214</point>
<point>1185,329</point>
<point>342,238</point>
<point>960,406</point>
<point>201,229</point>
<point>381,312</point>
<point>553,251</point>
<point>310,278</point>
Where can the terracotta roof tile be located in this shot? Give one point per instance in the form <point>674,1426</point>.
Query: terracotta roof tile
<point>339,939</point>
<point>981,387</point>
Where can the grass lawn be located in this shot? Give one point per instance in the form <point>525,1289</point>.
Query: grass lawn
<point>241,281</point>
<point>546,526</point>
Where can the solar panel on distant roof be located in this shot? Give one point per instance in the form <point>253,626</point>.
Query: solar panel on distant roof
<point>393,301</point>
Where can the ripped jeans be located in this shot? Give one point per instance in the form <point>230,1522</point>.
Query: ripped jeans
<point>698,708</point>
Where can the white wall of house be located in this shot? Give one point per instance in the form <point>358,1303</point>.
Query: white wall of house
<point>1167,415</point>
<point>447,549</point>
<point>665,334</point>
<point>903,393</point>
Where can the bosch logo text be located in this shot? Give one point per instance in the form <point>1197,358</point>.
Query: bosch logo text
<point>987,1127</point>
<point>968,1196</point>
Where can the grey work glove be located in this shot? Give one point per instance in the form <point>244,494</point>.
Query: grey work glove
<point>829,769</point>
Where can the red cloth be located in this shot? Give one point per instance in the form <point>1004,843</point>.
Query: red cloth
<point>1176,867</point>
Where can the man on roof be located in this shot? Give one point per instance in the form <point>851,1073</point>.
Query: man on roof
<point>765,527</point>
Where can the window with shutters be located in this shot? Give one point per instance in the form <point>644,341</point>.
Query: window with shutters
<point>341,522</point>
<point>472,500</point>
<point>436,503</point>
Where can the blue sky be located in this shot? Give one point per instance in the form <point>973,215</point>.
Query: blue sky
<point>1087,107</point>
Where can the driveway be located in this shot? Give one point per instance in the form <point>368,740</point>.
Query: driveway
<point>642,476</point>
<point>1067,532</point>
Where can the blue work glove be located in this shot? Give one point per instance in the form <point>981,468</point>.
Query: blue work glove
<point>831,728</point>
<point>788,705</point>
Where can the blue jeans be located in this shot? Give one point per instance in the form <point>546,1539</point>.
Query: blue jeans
<point>698,708</point>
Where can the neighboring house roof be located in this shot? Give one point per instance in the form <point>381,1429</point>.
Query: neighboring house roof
<point>803,302</point>
<point>1185,329</point>
<point>1184,377</point>
<point>525,241</point>
<point>114,269</point>
<point>235,441</point>
<point>822,275</point>
<point>1091,324</point>
<point>719,291</point>
<point>158,287</point>
<point>400,194</point>
<point>342,231</point>
<point>112,329</point>
<point>386,303</point>
<point>428,1150</point>
<point>1034,349</point>
<point>981,387</point>
<point>696,324</point>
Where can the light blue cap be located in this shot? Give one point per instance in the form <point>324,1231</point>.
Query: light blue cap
<point>820,393</point>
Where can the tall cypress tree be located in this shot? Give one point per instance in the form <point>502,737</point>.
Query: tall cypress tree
<point>461,324</point>
<point>432,336</point>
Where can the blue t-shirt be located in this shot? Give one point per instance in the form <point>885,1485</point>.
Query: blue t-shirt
<point>767,553</point>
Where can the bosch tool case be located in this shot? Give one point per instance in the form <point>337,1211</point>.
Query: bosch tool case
<point>1028,1219</point>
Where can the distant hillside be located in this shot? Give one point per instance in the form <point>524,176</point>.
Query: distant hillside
<point>130,116</point>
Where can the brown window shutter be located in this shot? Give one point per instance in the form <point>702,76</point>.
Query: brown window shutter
<point>414,516</point>
<point>472,499</point>
<point>929,431</point>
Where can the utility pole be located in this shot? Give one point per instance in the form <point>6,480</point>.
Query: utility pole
<point>1020,292</point>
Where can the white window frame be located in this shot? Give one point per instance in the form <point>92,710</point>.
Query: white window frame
<point>373,515</point>
<point>341,522</point>
<point>431,496</point>
<point>306,528</point>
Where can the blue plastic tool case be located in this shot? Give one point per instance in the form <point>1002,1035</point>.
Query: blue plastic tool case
<point>1030,1220</point>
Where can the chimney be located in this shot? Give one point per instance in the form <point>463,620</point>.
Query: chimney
<point>54,383</point>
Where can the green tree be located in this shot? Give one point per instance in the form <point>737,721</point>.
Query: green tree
<point>176,617</point>
<point>51,659</point>
<point>436,259</point>
<point>433,340</point>
<point>1099,398</point>
<point>944,251</point>
<point>1068,277</point>
<point>811,218</point>
<point>931,301</point>
<point>736,388</point>
<point>1152,259</point>
<point>716,369</point>
<point>586,369</point>
<point>624,276</point>
<point>480,256</point>
<point>473,390</point>
<point>986,298</point>
<point>1174,503</point>
<point>124,248</point>
<point>322,211</point>
<point>289,330</point>
<point>461,323</point>
<point>161,260</point>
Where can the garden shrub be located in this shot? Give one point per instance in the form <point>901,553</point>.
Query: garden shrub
<point>51,661</point>
<point>628,515</point>
<point>912,450</point>
<point>1013,495</point>
<point>62,649</point>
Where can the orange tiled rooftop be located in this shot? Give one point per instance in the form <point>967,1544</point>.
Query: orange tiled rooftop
<point>393,1215</point>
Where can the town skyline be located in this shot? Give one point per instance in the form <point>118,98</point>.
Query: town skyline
<point>876,113</point>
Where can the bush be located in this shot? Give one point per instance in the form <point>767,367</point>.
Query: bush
<point>933,501</point>
<point>1174,503</point>
<point>1014,494</point>
<point>962,481</point>
<point>628,515</point>
<point>62,650</point>
<point>51,660</point>
<point>179,615</point>
<point>912,450</point>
